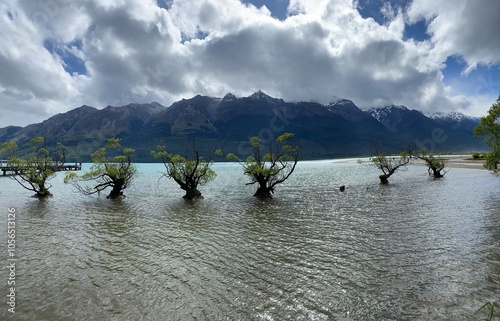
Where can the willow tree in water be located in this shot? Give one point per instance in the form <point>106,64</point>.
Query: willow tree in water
<point>390,164</point>
<point>187,173</point>
<point>436,165</point>
<point>35,169</point>
<point>113,171</point>
<point>270,164</point>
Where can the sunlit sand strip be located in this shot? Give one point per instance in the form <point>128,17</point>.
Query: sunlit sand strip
<point>454,161</point>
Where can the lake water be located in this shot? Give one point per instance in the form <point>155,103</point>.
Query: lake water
<point>417,249</point>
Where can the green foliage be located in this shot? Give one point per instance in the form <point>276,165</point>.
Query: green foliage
<point>489,130</point>
<point>233,157</point>
<point>283,138</point>
<point>489,127</point>
<point>492,159</point>
<point>435,164</point>
<point>36,141</point>
<point>61,152</point>
<point>187,173</point>
<point>387,163</point>
<point>390,164</point>
<point>112,167</point>
<point>9,148</point>
<point>34,169</point>
<point>478,156</point>
<point>272,167</point>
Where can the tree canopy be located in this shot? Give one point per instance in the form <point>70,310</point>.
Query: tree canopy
<point>436,165</point>
<point>187,173</point>
<point>270,164</point>
<point>489,129</point>
<point>35,168</point>
<point>390,164</point>
<point>112,167</point>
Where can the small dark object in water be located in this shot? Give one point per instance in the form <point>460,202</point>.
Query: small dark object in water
<point>342,188</point>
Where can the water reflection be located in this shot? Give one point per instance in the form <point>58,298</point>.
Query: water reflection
<point>418,249</point>
<point>38,208</point>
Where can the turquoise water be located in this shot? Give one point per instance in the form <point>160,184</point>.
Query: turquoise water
<point>417,249</point>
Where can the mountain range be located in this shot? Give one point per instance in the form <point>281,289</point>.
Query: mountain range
<point>338,129</point>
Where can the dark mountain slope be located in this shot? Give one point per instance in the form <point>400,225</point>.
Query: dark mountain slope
<point>339,129</point>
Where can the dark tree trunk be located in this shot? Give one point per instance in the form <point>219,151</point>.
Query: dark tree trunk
<point>192,194</point>
<point>263,193</point>
<point>42,193</point>
<point>384,179</point>
<point>436,173</point>
<point>116,192</point>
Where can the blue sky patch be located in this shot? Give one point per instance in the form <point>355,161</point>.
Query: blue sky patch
<point>165,4</point>
<point>481,81</point>
<point>72,64</point>
<point>416,31</point>
<point>278,8</point>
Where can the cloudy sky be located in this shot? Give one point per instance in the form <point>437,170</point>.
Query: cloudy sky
<point>56,55</point>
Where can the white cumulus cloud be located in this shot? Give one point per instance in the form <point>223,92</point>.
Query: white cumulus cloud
<point>137,51</point>
<point>469,29</point>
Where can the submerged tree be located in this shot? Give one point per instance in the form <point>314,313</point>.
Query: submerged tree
<point>436,165</point>
<point>114,171</point>
<point>34,170</point>
<point>489,130</point>
<point>270,167</point>
<point>390,164</point>
<point>188,173</point>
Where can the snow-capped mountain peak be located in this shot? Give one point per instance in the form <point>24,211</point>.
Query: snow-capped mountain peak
<point>451,116</point>
<point>260,95</point>
<point>382,113</point>
<point>229,97</point>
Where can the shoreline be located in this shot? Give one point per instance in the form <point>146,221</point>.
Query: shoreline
<point>453,161</point>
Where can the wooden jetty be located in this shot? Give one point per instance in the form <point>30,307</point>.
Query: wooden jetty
<point>14,169</point>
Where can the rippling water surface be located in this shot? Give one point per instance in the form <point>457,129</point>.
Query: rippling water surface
<point>418,249</point>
